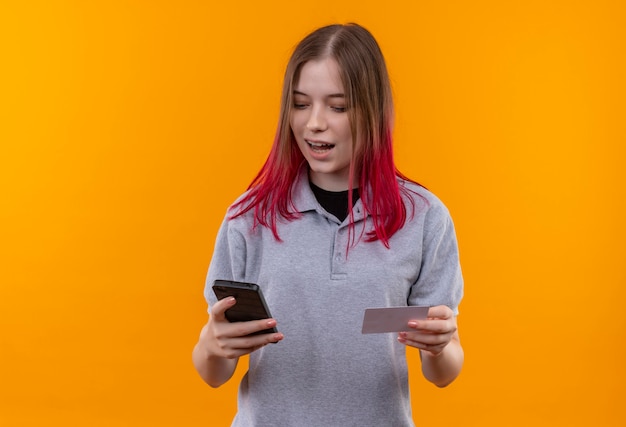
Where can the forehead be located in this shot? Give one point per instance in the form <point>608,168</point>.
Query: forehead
<point>321,75</point>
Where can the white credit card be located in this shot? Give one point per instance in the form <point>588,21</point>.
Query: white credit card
<point>391,319</point>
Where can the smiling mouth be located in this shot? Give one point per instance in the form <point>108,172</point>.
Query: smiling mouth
<point>320,147</point>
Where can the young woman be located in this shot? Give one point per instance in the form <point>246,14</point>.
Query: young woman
<point>328,228</point>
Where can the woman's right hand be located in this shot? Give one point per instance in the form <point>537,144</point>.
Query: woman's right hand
<point>221,343</point>
<point>221,338</point>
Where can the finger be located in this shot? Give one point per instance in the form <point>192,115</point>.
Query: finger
<point>254,342</point>
<point>243,329</point>
<point>425,338</point>
<point>434,347</point>
<point>440,312</point>
<point>246,329</point>
<point>234,339</point>
<point>433,326</point>
<point>428,342</point>
<point>219,308</point>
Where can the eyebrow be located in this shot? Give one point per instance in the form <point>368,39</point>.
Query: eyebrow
<point>332,95</point>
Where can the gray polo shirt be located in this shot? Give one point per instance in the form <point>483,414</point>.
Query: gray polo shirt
<point>325,372</point>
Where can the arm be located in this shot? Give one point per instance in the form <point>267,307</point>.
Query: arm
<point>221,343</point>
<point>439,285</point>
<point>437,338</point>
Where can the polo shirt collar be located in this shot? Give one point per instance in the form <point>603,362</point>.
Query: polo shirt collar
<point>304,200</point>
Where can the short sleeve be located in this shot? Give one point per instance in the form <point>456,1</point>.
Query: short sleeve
<point>229,259</point>
<point>440,281</point>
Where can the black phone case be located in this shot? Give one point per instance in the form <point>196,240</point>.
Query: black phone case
<point>250,302</point>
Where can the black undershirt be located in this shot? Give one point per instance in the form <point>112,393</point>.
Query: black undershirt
<point>335,202</point>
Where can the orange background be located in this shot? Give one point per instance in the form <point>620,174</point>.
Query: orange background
<point>127,127</point>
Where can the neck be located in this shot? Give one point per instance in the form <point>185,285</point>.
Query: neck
<point>331,182</point>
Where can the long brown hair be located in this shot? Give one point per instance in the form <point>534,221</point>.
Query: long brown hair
<point>370,107</point>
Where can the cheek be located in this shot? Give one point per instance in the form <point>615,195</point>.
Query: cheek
<point>346,131</point>
<point>295,122</point>
<point>291,123</point>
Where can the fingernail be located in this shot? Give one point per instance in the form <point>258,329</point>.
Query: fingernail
<point>413,324</point>
<point>271,323</point>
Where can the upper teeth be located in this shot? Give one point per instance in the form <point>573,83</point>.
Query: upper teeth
<point>318,144</point>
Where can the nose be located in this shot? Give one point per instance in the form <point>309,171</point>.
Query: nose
<point>317,120</point>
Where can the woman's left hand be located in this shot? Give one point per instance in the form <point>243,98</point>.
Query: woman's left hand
<point>432,334</point>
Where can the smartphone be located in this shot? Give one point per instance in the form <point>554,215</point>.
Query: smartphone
<point>250,302</point>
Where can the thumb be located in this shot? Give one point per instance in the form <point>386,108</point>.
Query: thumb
<point>440,312</point>
<point>219,308</point>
